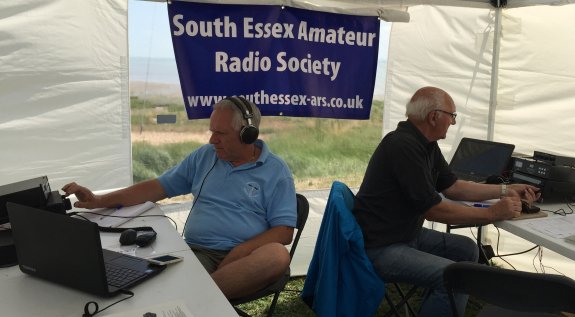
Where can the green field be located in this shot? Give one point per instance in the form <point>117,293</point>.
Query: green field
<point>317,150</point>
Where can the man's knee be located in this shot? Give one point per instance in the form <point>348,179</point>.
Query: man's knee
<point>471,250</point>
<point>275,254</point>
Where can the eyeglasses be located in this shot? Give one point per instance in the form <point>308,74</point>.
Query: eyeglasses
<point>452,114</point>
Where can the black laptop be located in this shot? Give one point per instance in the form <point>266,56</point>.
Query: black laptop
<point>475,160</point>
<point>68,251</point>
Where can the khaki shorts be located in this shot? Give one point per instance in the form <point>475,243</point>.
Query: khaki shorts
<point>209,258</point>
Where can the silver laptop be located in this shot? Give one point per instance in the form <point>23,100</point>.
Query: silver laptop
<point>68,251</point>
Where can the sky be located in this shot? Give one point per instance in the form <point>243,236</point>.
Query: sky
<point>149,31</point>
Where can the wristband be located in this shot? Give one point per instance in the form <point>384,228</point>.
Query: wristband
<point>503,190</point>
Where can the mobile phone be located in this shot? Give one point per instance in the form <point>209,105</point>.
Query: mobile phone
<point>165,259</point>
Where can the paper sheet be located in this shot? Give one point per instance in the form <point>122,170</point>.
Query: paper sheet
<point>103,216</point>
<point>558,227</point>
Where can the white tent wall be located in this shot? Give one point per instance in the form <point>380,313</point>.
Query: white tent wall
<point>536,88</point>
<point>451,48</point>
<point>448,47</point>
<point>64,99</point>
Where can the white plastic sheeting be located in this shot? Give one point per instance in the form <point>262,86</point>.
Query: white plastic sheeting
<point>452,48</point>
<point>64,100</point>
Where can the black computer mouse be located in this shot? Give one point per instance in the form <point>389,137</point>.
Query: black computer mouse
<point>528,208</point>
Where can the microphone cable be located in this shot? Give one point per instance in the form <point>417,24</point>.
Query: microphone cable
<point>88,313</point>
<point>198,196</point>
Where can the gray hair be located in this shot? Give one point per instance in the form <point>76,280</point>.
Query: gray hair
<point>238,120</point>
<point>424,101</point>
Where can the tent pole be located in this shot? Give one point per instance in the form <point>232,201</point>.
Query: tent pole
<point>493,90</point>
<point>494,73</point>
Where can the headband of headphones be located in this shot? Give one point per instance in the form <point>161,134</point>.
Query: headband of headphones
<point>244,106</point>
<point>248,133</point>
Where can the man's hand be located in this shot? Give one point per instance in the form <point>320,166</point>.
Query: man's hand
<point>506,208</point>
<point>525,192</point>
<point>86,199</point>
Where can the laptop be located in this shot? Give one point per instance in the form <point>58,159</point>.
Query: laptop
<point>475,160</point>
<point>68,251</point>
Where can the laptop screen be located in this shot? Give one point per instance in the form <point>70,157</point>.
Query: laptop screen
<point>476,159</point>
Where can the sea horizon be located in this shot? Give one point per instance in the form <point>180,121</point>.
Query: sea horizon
<point>161,75</point>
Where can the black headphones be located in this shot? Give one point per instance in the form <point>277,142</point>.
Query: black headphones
<point>248,133</point>
<point>141,236</point>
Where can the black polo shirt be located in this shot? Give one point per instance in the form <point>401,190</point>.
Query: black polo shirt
<point>403,180</point>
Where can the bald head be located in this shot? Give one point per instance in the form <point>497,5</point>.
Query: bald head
<point>425,100</point>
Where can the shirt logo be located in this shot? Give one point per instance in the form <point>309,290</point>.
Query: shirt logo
<point>252,189</point>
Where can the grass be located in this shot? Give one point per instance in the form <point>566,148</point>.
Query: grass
<point>290,303</point>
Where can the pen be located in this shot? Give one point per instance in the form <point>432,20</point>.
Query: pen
<point>481,205</point>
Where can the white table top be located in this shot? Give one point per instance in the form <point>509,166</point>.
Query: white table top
<point>524,229</point>
<point>186,282</point>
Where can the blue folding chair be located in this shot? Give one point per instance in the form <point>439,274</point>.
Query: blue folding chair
<point>341,280</point>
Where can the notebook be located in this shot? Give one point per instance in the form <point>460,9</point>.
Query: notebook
<point>68,251</point>
<point>475,160</point>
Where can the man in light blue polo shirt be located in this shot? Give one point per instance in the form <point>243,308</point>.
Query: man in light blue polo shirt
<point>244,208</point>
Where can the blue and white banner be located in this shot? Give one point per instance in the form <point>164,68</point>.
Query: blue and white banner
<point>288,61</point>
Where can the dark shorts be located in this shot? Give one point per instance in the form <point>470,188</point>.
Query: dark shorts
<point>209,258</point>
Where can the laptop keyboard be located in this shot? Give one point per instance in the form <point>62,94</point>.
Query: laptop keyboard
<point>121,276</point>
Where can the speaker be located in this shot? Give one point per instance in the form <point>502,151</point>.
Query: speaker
<point>248,133</point>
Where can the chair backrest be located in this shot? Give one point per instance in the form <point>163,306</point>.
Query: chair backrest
<point>341,281</point>
<point>510,289</point>
<point>302,214</point>
<point>340,191</point>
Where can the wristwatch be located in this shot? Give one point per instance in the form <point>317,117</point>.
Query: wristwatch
<point>503,190</point>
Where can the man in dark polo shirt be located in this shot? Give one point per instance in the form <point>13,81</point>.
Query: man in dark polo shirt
<point>401,189</point>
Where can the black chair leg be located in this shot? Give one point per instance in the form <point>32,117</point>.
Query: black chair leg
<point>241,312</point>
<point>404,301</point>
<point>273,304</point>
<point>405,297</point>
<point>392,305</point>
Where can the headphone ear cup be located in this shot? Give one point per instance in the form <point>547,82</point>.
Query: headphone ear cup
<point>128,237</point>
<point>145,239</point>
<point>249,134</point>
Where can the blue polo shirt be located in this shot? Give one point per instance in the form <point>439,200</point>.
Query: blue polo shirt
<point>232,204</point>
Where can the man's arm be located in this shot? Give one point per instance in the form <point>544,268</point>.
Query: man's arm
<point>279,234</point>
<point>470,191</point>
<point>453,213</point>
<point>150,190</point>
<point>506,208</point>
